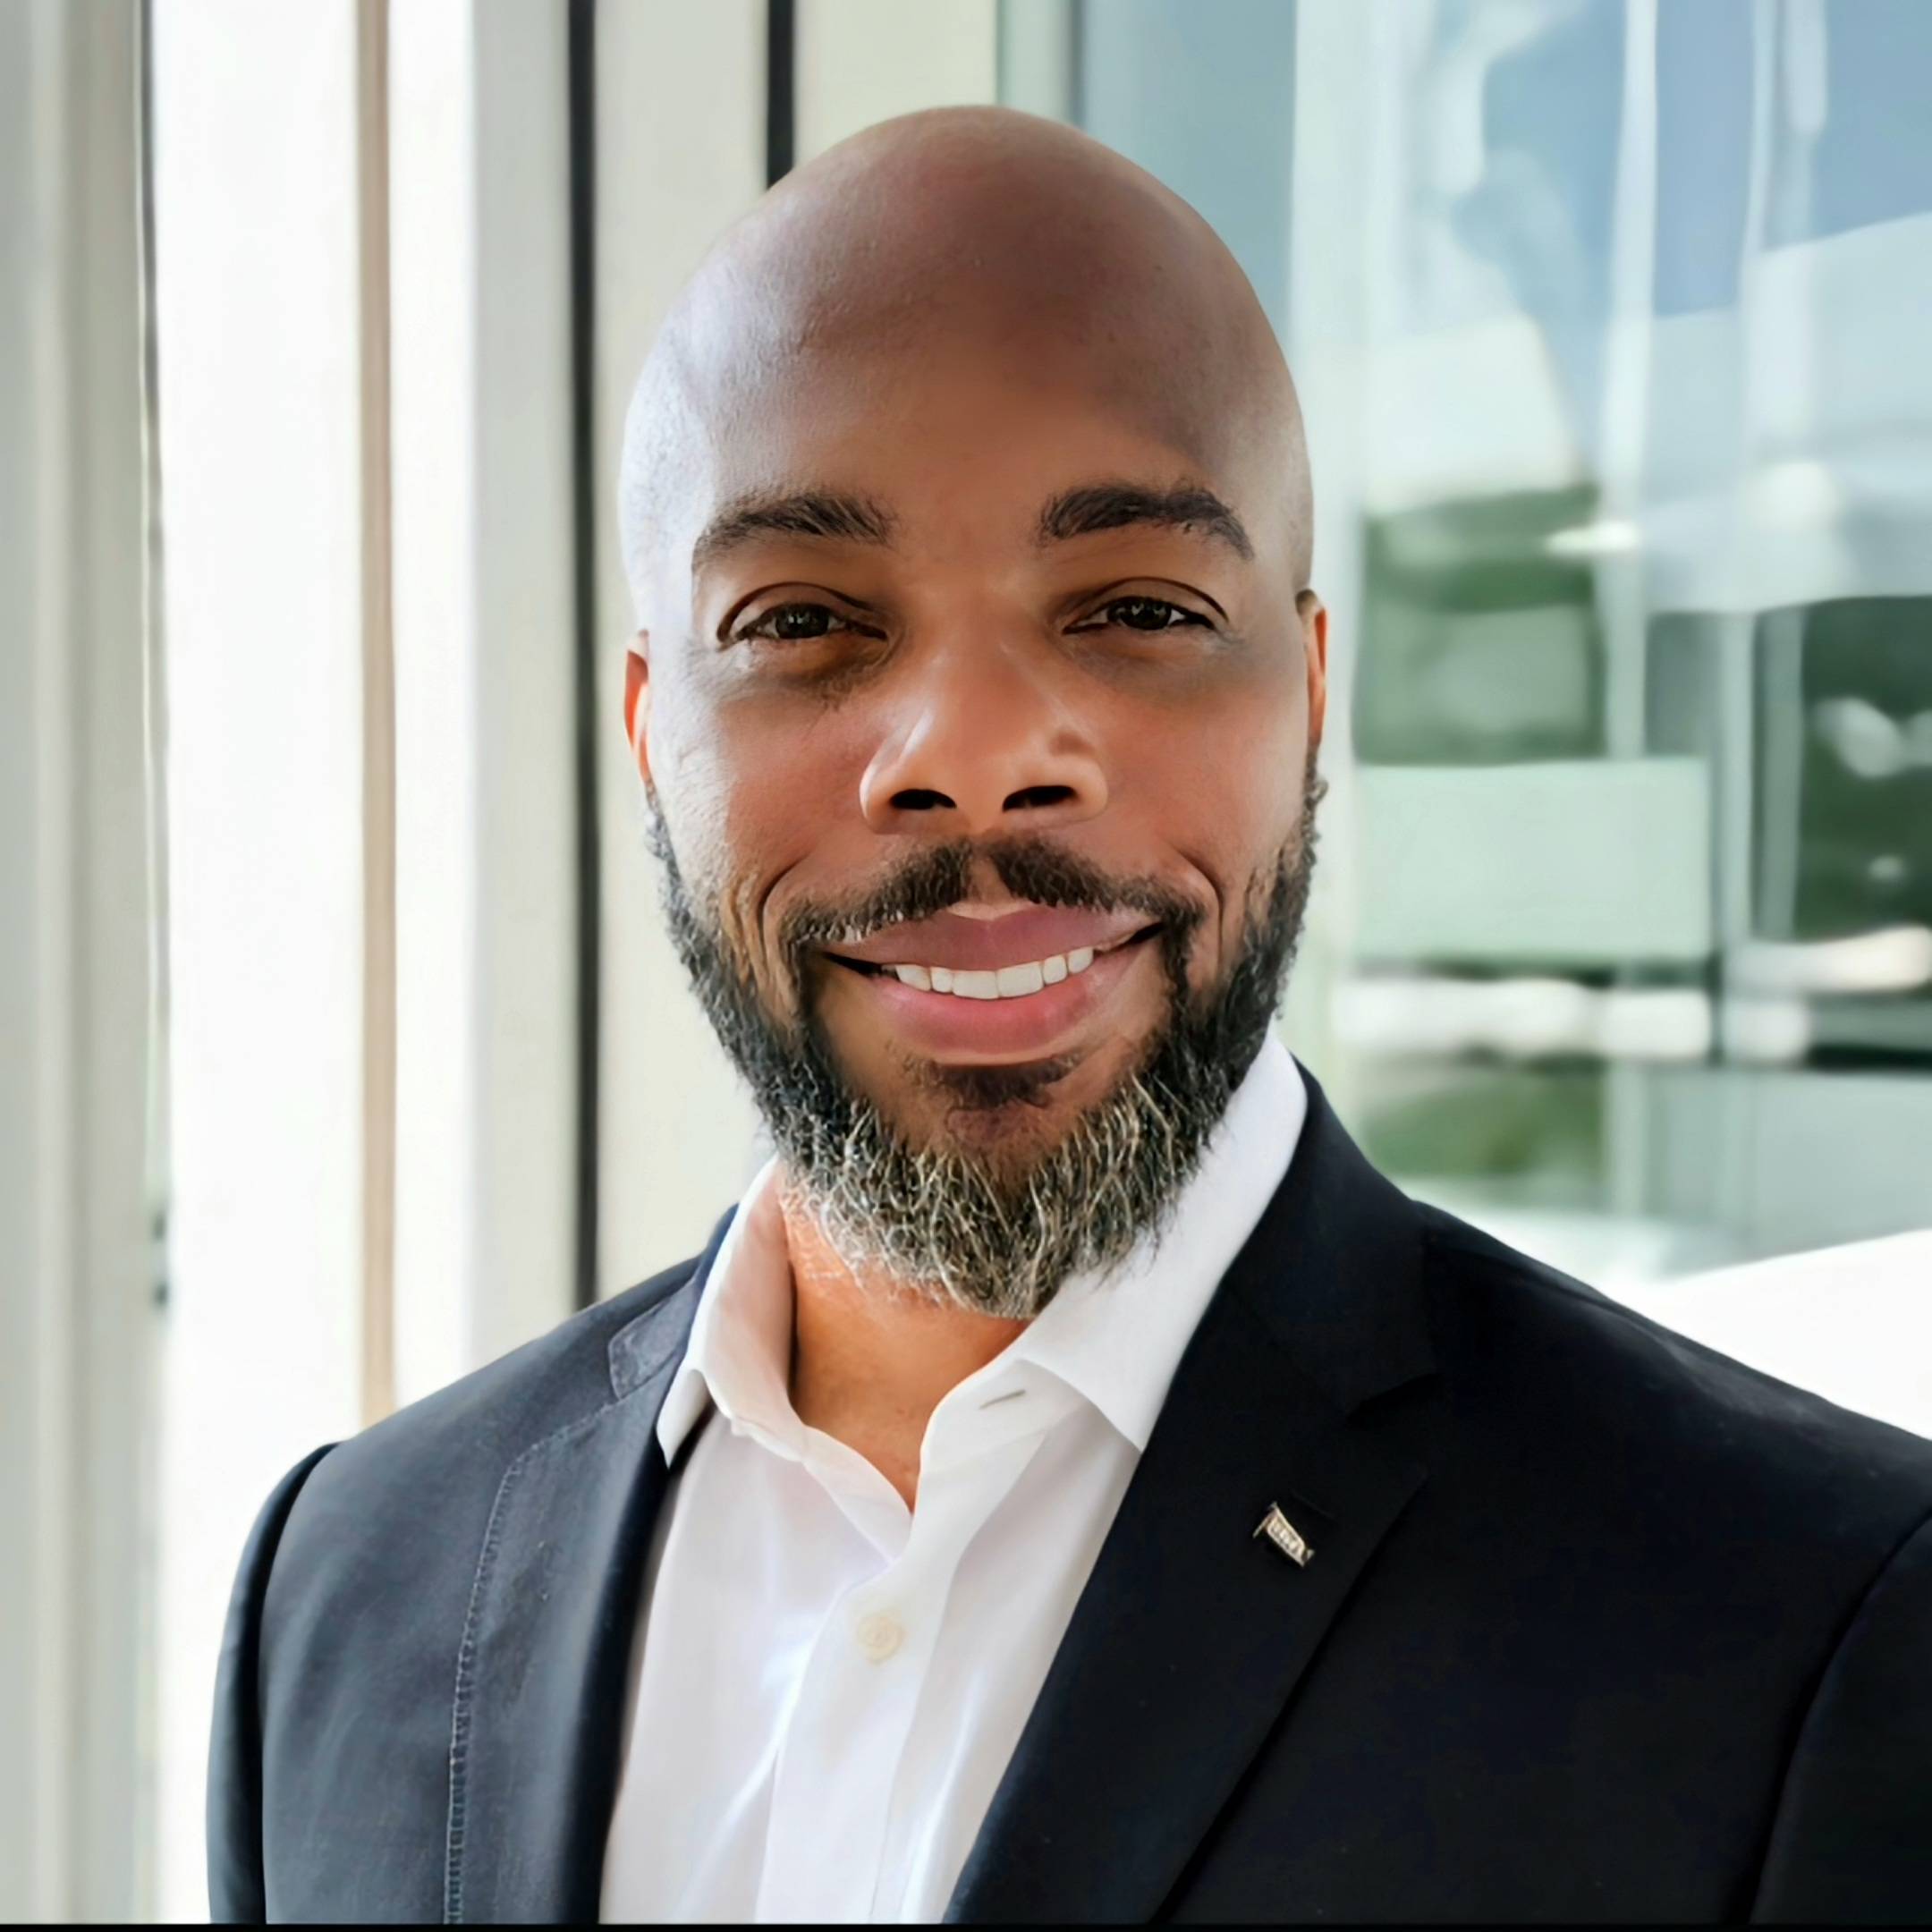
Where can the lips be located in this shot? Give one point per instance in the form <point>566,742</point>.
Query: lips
<point>978,1026</point>
<point>954,943</point>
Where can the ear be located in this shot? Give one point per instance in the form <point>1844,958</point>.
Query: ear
<point>1314,615</point>
<point>636,700</point>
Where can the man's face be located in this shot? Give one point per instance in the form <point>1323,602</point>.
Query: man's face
<point>986,622</point>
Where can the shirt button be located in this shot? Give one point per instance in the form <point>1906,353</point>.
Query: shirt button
<point>878,1636</point>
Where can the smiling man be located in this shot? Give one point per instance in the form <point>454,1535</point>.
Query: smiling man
<point>1072,1484</point>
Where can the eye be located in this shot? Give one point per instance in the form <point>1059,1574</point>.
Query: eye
<point>1143,613</point>
<point>794,623</point>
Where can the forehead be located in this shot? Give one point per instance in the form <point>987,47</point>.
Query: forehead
<point>964,437</point>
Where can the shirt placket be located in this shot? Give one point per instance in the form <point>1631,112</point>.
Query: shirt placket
<point>837,1771</point>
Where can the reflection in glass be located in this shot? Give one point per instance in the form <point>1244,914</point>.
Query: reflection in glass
<point>1609,321</point>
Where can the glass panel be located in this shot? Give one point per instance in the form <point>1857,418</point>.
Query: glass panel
<point>1606,318</point>
<point>1478,645</point>
<point>1204,97</point>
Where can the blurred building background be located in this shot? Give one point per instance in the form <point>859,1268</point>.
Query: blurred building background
<point>341,1051</point>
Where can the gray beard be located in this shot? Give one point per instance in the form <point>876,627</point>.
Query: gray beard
<point>982,1227</point>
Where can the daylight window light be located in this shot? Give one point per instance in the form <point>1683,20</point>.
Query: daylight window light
<point>1897,959</point>
<point>1767,1033</point>
<point>1612,537</point>
<point>1522,1019</point>
<point>1799,494</point>
<point>1871,744</point>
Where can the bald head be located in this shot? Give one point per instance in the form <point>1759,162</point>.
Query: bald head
<point>974,234</point>
<point>967,511</point>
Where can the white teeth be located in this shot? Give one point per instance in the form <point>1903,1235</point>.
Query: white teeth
<point>1007,982</point>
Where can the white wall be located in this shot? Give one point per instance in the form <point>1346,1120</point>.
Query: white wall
<point>485,678</point>
<point>267,278</point>
<point>259,401</point>
<point>680,153</point>
<point>76,1303</point>
<point>861,61</point>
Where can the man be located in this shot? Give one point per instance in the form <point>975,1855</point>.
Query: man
<point>1072,1484</point>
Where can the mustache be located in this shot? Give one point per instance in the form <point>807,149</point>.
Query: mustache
<point>1030,867</point>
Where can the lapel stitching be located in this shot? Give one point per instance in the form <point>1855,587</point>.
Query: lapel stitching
<point>641,1356</point>
<point>452,1880</point>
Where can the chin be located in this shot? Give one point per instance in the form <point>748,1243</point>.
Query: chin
<point>1018,1110</point>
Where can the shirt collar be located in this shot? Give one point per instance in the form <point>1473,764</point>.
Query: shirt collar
<point>1115,1335</point>
<point>739,1351</point>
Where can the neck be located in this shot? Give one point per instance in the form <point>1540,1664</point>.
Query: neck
<point>872,1357</point>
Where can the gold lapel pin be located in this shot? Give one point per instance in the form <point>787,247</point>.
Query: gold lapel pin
<point>1286,1538</point>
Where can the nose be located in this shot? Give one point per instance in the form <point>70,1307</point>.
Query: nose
<point>979,742</point>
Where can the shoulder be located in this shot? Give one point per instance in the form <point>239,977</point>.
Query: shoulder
<point>1639,1419</point>
<point>428,1474</point>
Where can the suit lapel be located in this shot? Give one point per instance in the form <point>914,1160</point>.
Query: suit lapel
<point>1192,1633</point>
<point>540,1678</point>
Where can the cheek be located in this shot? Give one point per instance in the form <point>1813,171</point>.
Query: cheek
<point>747,793</point>
<point>789,774</point>
<point>1225,790</point>
<point>1230,767</point>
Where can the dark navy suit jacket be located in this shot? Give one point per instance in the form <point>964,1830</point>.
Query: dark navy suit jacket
<point>1599,1625</point>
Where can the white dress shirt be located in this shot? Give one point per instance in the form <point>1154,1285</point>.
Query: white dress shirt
<point>827,1686</point>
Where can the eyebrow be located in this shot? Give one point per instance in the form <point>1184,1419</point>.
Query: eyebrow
<point>1107,507</point>
<point>1084,510</point>
<point>828,514</point>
